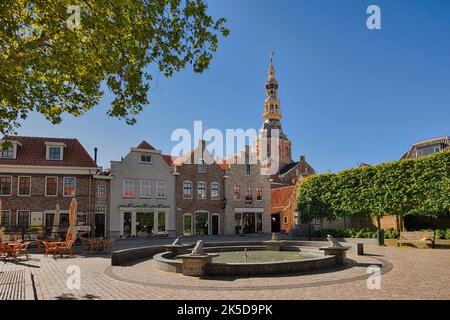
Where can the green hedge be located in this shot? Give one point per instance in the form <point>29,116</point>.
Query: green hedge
<point>366,233</point>
<point>420,186</point>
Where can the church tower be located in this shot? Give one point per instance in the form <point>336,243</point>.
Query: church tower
<point>272,120</point>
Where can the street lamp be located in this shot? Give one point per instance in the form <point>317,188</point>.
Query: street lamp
<point>308,205</point>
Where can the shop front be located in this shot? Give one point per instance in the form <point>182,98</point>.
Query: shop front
<point>144,222</point>
<point>248,220</point>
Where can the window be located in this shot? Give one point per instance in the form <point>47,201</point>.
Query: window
<point>237,192</point>
<point>259,194</point>
<point>214,190</point>
<point>24,186</point>
<point>146,158</point>
<point>187,190</point>
<point>101,191</point>
<point>128,188</point>
<point>69,187</point>
<point>202,166</point>
<point>54,153</point>
<point>285,219</point>
<point>201,190</point>
<point>5,186</point>
<point>248,170</point>
<point>160,189</point>
<point>5,218</point>
<point>100,209</point>
<point>51,186</point>
<point>145,189</point>
<point>23,219</point>
<point>248,195</point>
<point>437,149</point>
<point>8,153</point>
<point>64,220</point>
<point>248,192</point>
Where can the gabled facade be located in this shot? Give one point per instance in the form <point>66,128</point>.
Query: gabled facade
<point>199,192</point>
<point>37,174</point>
<point>142,199</point>
<point>247,194</point>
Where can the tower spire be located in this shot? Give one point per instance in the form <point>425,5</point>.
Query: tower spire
<point>271,104</point>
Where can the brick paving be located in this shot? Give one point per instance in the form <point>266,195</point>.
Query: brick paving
<point>409,274</point>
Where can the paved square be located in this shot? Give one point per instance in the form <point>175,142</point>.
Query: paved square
<point>409,274</point>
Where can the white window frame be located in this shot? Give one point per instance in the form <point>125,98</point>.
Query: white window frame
<point>9,217</point>
<point>146,162</point>
<point>192,189</point>
<point>17,217</point>
<point>247,194</point>
<point>7,150</point>
<point>98,190</point>
<point>206,188</point>
<point>234,192</point>
<point>256,193</point>
<point>218,190</point>
<point>51,195</point>
<point>437,149</point>
<point>132,188</point>
<point>10,186</point>
<point>103,206</point>
<point>157,189</point>
<point>18,187</point>
<point>202,166</point>
<point>74,187</point>
<point>141,184</point>
<point>61,152</point>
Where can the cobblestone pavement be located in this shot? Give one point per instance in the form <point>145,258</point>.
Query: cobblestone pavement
<point>415,274</point>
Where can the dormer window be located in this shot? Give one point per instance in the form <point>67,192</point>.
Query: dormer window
<point>8,153</point>
<point>146,158</point>
<point>55,151</point>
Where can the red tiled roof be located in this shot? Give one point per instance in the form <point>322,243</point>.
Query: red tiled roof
<point>281,198</point>
<point>145,145</point>
<point>169,159</point>
<point>33,153</point>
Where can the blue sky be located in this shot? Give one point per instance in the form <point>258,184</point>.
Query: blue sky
<point>348,94</point>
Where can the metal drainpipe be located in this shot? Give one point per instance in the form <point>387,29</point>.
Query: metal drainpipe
<point>89,199</point>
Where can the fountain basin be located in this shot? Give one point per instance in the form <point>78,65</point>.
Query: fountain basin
<point>230,261</point>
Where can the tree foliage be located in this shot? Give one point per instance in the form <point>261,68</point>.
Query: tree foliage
<point>50,66</point>
<point>420,186</point>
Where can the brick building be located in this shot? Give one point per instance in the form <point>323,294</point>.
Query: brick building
<point>199,193</point>
<point>38,173</point>
<point>247,194</point>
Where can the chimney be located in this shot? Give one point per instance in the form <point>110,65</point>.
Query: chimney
<point>95,155</point>
<point>302,158</point>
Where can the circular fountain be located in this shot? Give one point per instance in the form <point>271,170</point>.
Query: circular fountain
<point>271,257</point>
